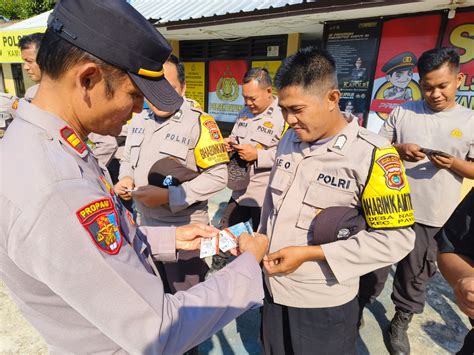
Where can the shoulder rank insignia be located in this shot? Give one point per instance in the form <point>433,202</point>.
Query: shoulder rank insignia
<point>100,220</point>
<point>73,140</point>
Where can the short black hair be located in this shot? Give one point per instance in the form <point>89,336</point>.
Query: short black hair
<point>260,75</point>
<point>31,39</point>
<point>56,56</point>
<point>310,67</point>
<point>179,67</point>
<point>435,58</point>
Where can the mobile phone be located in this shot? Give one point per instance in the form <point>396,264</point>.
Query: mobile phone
<point>234,140</point>
<point>428,151</point>
<point>130,190</point>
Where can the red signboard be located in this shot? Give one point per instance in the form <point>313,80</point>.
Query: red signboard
<point>225,88</point>
<point>460,35</point>
<point>396,77</point>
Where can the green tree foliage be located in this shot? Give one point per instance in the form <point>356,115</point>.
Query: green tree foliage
<point>23,9</point>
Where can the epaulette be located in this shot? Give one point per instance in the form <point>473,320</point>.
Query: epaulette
<point>373,138</point>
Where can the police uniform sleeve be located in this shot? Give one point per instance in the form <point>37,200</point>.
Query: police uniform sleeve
<point>387,208</point>
<point>126,168</point>
<point>388,129</point>
<point>457,235</point>
<point>114,292</point>
<point>103,147</point>
<point>211,158</point>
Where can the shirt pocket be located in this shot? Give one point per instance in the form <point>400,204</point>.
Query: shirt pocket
<point>135,148</point>
<point>319,197</point>
<point>175,149</point>
<point>280,181</point>
<point>263,138</point>
<point>241,132</point>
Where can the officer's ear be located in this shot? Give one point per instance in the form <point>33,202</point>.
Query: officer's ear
<point>459,79</point>
<point>87,76</point>
<point>333,97</point>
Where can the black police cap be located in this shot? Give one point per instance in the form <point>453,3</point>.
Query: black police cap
<point>115,32</point>
<point>337,223</point>
<point>402,61</point>
<point>169,172</point>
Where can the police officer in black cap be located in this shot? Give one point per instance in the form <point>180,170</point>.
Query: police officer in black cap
<point>71,255</point>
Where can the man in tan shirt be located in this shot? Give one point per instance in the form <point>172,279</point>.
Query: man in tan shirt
<point>29,47</point>
<point>253,143</point>
<point>434,137</point>
<point>324,160</point>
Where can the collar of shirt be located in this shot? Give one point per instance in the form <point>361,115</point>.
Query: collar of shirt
<point>339,143</point>
<point>53,126</point>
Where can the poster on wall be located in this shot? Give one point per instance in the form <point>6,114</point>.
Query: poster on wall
<point>225,89</point>
<point>195,74</point>
<point>272,67</point>
<point>353,45</point>
<point>396,76</point>
<point>460,35</point>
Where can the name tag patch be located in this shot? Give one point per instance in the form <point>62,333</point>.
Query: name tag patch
<point>333,181</point>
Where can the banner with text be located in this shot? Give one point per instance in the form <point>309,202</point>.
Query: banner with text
<point>353,45</point>
<point>195,74</point>
<point>9,50</point>
<point>225,89</point>
<point>396,76</point>
<point>460,35</point>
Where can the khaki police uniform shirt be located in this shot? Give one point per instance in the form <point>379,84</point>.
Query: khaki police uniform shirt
<point>106,148</point>
<point>304,181</point>
<point>85,294</point>
<point>31,92</point>
<point>264,132</point>
<point>435,192</point>
<point>151,138</point>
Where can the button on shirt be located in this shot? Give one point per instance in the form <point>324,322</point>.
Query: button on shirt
<point>80,298</point>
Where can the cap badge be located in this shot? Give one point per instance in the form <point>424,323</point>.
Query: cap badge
<point>340,142</point>
<point>407,59</point>
<point>168,180</point>
<point>343,233</point>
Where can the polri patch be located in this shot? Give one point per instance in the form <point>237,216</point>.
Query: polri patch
<point>100,220</point>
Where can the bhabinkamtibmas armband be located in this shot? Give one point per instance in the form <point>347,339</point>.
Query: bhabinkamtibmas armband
<point>386,198</point>
<point>210,149</point>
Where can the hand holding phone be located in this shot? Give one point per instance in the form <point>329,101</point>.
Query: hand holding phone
<point>440,153</point>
